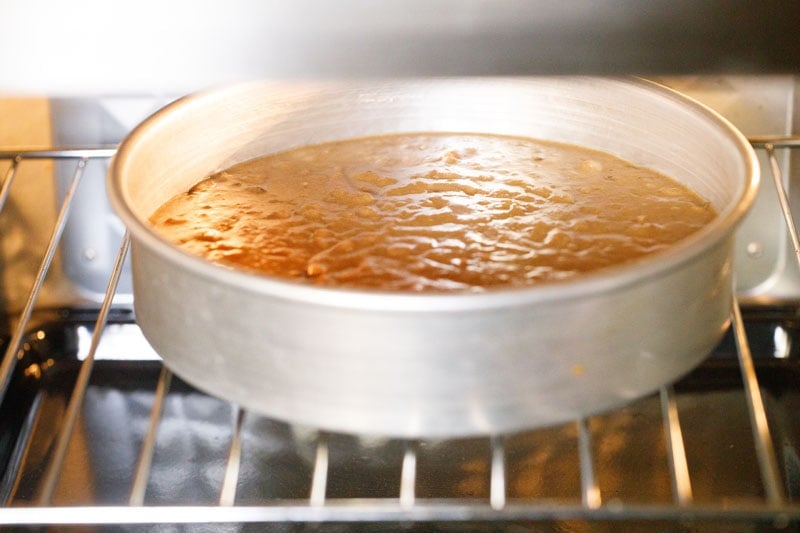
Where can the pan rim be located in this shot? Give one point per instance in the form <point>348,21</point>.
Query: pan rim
<point>594,283</point>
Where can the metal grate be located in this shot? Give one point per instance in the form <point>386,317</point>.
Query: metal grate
<point>405,504</point>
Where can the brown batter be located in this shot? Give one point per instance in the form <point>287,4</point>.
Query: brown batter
<point>432,212</point>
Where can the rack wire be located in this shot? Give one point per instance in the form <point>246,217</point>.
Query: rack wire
<point>776,506</point>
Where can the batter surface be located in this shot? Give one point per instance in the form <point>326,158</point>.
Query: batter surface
<point>432,212</point>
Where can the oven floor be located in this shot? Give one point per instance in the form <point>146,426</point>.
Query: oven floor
<point>277,461</point>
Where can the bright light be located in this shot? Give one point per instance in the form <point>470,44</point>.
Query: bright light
<point>783,344</point>
<point>120,342</point>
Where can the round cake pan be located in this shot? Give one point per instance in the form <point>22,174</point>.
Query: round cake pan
<point>434,365</point>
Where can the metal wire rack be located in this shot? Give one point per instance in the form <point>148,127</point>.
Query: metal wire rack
<point>406,505</point>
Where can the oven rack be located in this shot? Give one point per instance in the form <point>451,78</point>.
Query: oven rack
<point>775,507</point>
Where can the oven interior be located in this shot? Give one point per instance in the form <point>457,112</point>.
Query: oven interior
<point>95,431</point>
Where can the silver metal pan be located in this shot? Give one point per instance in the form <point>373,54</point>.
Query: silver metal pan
<point>444,364</point>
